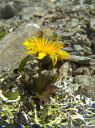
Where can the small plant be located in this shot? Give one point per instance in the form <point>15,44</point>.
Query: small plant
<point>3,32</point>
<point>43,49</point>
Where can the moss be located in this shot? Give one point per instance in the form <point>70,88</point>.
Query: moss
<point>65,108</point>
<point>3,32</point>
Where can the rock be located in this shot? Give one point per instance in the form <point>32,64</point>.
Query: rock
<point>87,1</point>
<point>81,39</point>
<point>29,12</point>
<point>54,0</point>
<point>87,51</point>
<point>12,50</point>
<point>40,11</point>
<point>61,2</point>
<point>68,49</point>
<point>58,33</point>
<point>92,24</point>
<point>92,70</point>
<point>87,85</point>
<point>93,46</point>
<point>26,13</point>
<point>82,71</point>
<point>92,56</point>
<point>48,31</point>
<point>82,79</point>
<point>8,11</point>
<point>78,48</point>
<point>74,23</point>
<point>72,32</point>
<point>32,66</point>
<point>53,73</point>
<point>94,83</point>
<point>18,5</point>
<point>81,59</point>
<point>63,70</point>
<point>77,53</point>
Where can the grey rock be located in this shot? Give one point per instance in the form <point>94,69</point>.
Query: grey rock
<point>92,56</point>
<point>53,72</point>
<point>93,1</point>
<point>87,1</point>
<point>72,32</point>
<point>92,24</point>
<point>87,85</point>
<point>92,70</point>
<point>40,11</point>
<point>92,35</point>
<point>94,83</point>
<point>61,2</point>
<point>87,50</point>
<point>32,11</point>
<point>77,53</point>
<point>54,0</point>
<point>18,5</point>
<point>32,65</point>
<point>27,13</point>
<point>63,70</point>
<point>68,49</point>
<point>81,59</point>
<point>8,11</point>
<point>93,46</point>
<point>82,79</point>
<point>82,71</point>
<point>74,23</point>
<point>81,39</point>
<point>58,33</point>
<point>12,50</point>
<point>78,48</point>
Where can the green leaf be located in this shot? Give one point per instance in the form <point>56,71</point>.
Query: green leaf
<point>12,95</point>
<point>23,62</point>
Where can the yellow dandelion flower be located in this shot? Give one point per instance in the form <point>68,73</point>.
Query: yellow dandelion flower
<point>45,47</point>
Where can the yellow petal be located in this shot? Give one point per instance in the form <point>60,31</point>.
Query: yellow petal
<point>63,54</point>
<point>54,59</point>
<point>41,55</point>
<point>41,45</point>
<point>31,52</point>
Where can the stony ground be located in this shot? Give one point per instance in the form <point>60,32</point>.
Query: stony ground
<point>74,22</point>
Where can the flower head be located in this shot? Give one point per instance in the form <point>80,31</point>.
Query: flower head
<point>44,47</point>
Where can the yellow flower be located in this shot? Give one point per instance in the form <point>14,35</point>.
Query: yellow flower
<point>43,47</point>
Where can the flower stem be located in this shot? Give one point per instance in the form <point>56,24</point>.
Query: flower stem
<point>39,77</point>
